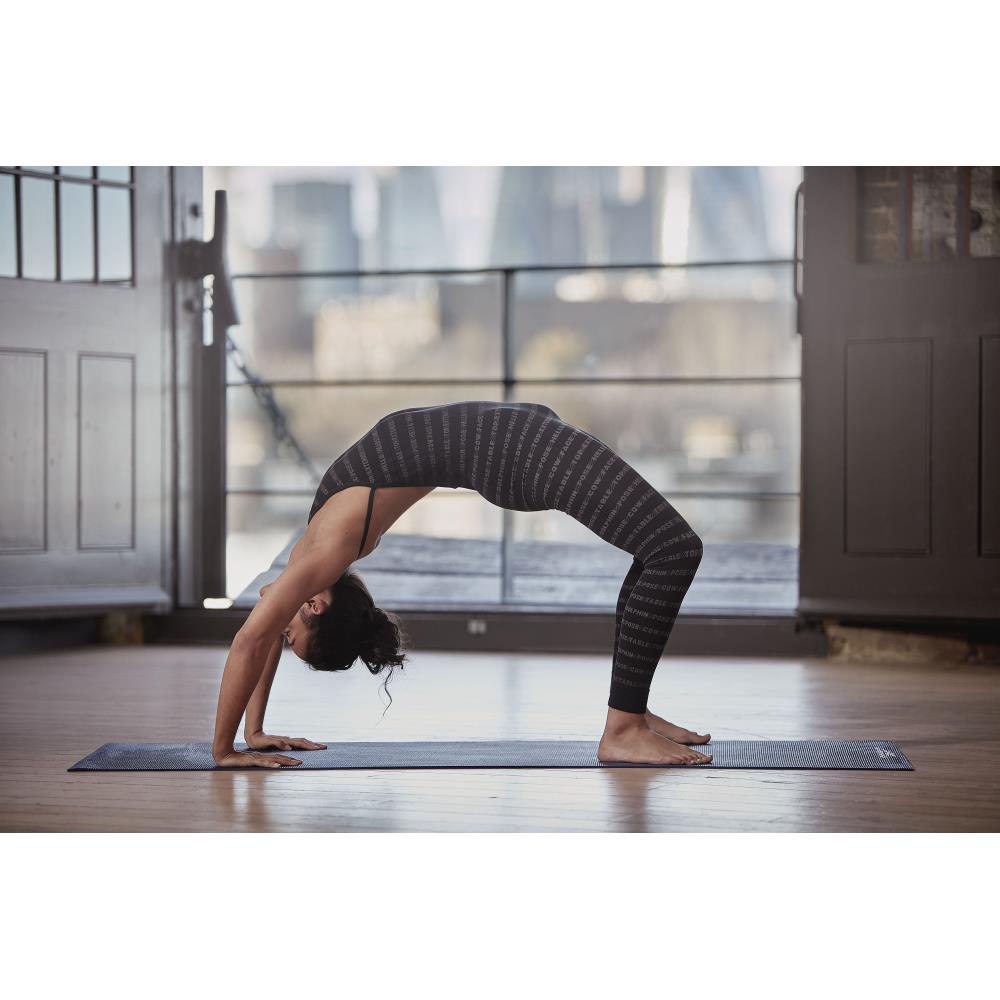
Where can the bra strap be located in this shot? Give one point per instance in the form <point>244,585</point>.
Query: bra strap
<point>368,518</point>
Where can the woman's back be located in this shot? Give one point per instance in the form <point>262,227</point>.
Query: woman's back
<point>451,444</point>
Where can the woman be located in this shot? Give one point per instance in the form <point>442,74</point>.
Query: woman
<point>519,456</point>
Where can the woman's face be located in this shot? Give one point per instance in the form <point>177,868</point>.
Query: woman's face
<point>297,633</point>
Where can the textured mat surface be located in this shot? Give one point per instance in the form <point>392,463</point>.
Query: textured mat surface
<point>836,754</point>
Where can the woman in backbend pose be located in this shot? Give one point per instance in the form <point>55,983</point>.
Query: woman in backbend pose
<point>519,456</point>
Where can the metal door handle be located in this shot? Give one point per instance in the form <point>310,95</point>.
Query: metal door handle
<point>197,259</point>
<point>797,263</point>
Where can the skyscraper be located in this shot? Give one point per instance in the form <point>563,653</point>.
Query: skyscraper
<point>314,219</point>
<point>537,218</point>
<point>410,229</point>
<point>728,220</point>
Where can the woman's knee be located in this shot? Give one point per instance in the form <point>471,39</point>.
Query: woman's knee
<point>684,544</point>
<point>695,546</point>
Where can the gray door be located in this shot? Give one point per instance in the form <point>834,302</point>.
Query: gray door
<point>901,392</point>
<point>84,388</point>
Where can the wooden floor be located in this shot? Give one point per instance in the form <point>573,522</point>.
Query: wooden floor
<point>57,707</point>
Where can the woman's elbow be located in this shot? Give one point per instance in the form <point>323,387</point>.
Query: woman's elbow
<point>251,641</point>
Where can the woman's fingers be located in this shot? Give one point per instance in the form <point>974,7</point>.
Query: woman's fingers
<point>252,758</point>
<point>273,760</point>
<point>299,743</point>
<point>258,761</point>
<point>290,743</point>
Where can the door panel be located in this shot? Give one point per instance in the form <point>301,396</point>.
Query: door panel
<point>22,450</point>
<point>898,398</point>
<point>106,451</point>
<point>989,422</point>
<point>887,464</point>
<point>85,395</point>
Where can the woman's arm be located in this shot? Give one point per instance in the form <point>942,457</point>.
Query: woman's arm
<point>254,721</point>
<point>253,724</point>
<point>244,666</point>
<point>317,567</point>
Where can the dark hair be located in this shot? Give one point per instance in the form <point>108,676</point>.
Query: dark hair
<point>355,628</point>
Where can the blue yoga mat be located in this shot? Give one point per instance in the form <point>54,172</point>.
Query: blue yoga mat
<point>875,755</point>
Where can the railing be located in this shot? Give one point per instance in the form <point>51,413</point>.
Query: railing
<point>509,380</point>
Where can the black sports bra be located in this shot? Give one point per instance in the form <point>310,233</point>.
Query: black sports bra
<point>368,518</point>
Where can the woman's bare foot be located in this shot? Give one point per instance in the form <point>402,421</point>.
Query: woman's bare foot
<point>676,733</point>
<point>628,739</point>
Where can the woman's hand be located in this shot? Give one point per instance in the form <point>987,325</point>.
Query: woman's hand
<point>262,741</point>
<point>250,758</point>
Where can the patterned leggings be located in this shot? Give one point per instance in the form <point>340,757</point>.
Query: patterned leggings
<point>548,464</point>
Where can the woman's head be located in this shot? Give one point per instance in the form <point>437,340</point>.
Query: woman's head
<point>342,624</point>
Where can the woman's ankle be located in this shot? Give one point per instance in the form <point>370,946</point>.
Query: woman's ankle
<point>621,722</point>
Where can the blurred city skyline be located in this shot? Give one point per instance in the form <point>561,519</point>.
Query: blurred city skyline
<point>367,218</point>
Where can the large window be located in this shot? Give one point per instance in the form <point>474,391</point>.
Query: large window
<point>687,366</point>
